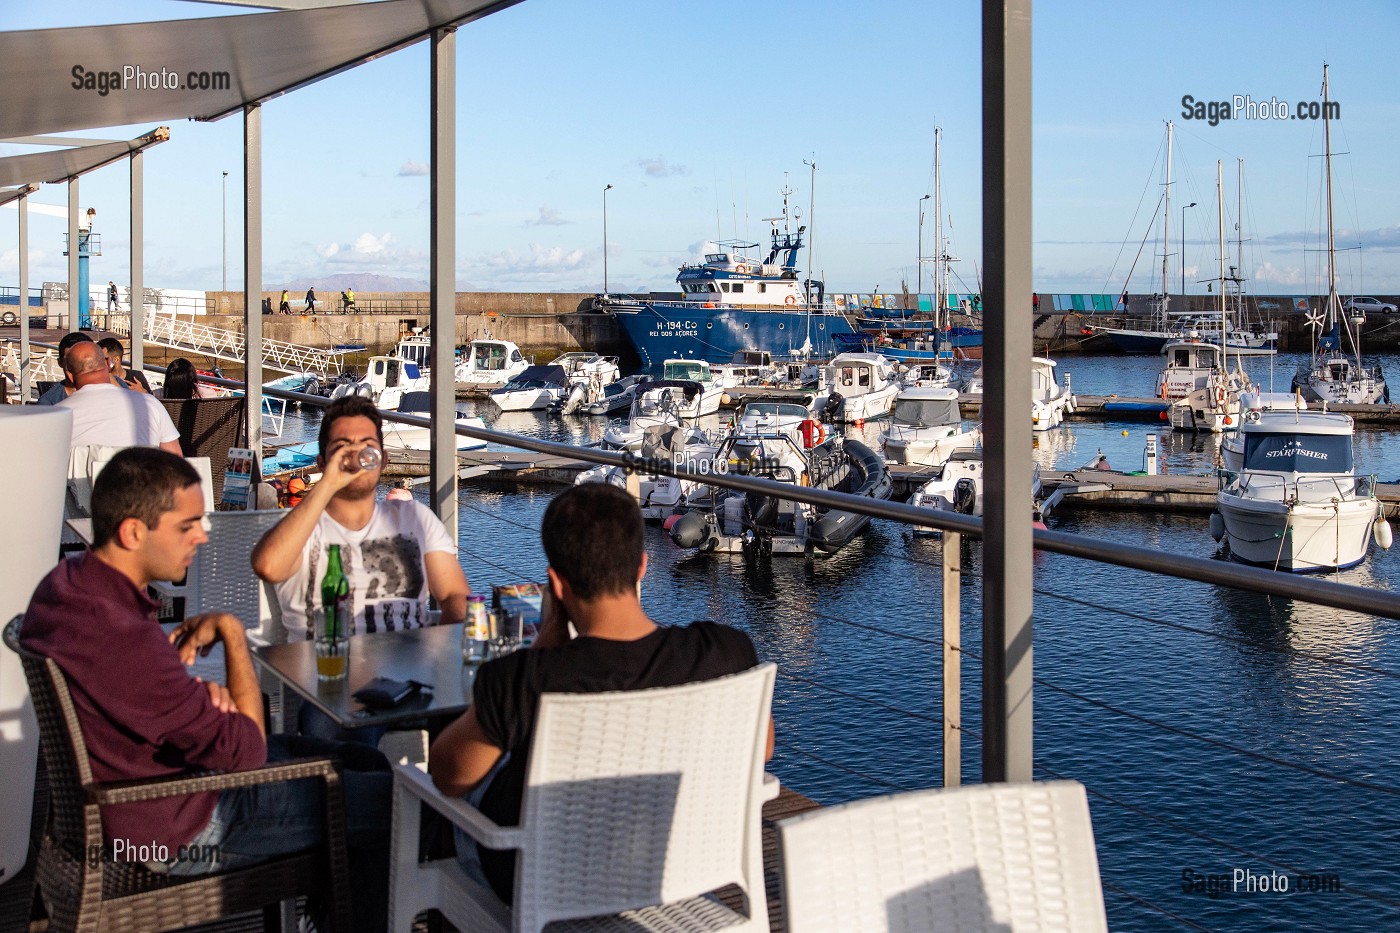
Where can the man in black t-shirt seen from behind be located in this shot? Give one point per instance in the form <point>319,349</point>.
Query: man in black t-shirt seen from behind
<point>592,535</point>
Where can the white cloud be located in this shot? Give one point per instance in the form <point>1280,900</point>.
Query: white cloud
<point>367,244</point>
<point>413,168</point>
<point>658,167</point>
<point>549,217</point>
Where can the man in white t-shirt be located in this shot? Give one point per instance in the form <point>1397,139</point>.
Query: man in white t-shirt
<point>107,414</point>
<point>395,553</point>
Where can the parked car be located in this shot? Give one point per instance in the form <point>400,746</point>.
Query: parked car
<point>1368,305</point>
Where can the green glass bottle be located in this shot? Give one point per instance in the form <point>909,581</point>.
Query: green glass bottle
<point>335,596</point>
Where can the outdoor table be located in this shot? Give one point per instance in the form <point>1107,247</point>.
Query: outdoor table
<point>431,655</point>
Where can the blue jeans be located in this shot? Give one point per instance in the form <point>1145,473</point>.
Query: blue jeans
<point>468,855</point>
<point>316,724</point>
<point>253,824</point>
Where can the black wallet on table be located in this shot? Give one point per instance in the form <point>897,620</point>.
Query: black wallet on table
<point>382,692</point>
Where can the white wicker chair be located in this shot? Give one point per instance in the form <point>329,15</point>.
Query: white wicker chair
<point>1000,858</point>
<point>637,804</point>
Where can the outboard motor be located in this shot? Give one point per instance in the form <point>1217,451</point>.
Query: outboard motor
<point>364,389</point>
<point>965,496</point>
<point>833,406</point>
<point>577,396</point>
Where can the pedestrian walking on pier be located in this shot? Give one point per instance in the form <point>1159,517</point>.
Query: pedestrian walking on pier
<point>310,300</point>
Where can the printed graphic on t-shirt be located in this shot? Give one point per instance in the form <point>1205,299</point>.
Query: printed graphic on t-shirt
<point>387,581</point>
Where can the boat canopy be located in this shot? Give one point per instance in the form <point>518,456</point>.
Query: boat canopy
<point>1297,453</point>
<point>926,411</point>
<point>690,387</point>
<point>548,374</point>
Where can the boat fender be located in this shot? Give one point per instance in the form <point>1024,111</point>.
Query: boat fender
<point>1217,526</point>
<point>689,530</point>
<point>812,433</point>
<point>1384,537</point>
<point>790,300</point>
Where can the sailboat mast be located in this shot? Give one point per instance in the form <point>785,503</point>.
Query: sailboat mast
<point>1166,220</point>
<point>937,225</point>
<point>1333,302</point>
<point>1220,223</point>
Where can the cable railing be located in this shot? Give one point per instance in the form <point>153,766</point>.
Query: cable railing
<point>954,526</point>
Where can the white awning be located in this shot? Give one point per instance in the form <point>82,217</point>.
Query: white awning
<point>220,64</point>
<point>58,165</point>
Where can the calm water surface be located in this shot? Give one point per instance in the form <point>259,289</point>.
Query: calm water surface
<point>1215,730</point>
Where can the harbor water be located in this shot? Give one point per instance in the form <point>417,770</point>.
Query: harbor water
<point>1231,743</point>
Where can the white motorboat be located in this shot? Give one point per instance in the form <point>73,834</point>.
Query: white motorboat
<point>748,368</point>
<point>490,362</point>
<point>665,440</point>
<point>385,382</point>
<point>534,388</point>
<point>861,386</point>
<point>926,428</point>
<point>410,437</point>
<point>658,403</point>
<point>1204,394</point>
<point>958,488</point>
<point>759,525</point>
<point>1297,504</point>
<point>617,395</point>
<point>927,374</point>
<point>707,401</point>
<point>1232,444</point>
<point>1050,401</point>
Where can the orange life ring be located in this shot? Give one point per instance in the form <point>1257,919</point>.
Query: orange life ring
<point>1220,396</point>
<point>812,433</point>
<point>790,300</point>
<point>741,268</point>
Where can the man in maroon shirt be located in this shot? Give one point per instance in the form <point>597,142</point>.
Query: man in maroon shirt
<point>144,716</point>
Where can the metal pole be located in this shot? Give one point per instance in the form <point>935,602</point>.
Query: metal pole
<point>138,260</point>
<point>605,238</point>
<point>1007,739</point>
<point>23,210</point>
<point>226,235</point>
<point>252,274</point>
<point>443,299</point>
<point>919,289</point>
<point>72,255</point>
<point>952,659</point>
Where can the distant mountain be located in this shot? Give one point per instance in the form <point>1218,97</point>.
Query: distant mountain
<point>360,281</point>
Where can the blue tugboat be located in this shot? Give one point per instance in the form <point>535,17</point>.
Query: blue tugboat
<point>733,302</point>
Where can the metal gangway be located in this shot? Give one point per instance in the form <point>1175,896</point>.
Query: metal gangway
<point>43,365</point>
<point>167,330</point>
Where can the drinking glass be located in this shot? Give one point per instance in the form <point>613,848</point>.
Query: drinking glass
<point>332,658</point>
<point>369,458</point>
<point>506,632</point>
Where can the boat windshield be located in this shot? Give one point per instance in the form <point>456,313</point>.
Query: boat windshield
<point>685,370</point>
<point>774,410</point>
<point>926,411</point>
<point>1298,453</point>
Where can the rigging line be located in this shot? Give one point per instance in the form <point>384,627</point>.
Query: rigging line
<point>1205,837</point>
<point>1151,906</point>
<point>831,764</point>
<point>496,515</point>
<point>1220,743</point>
<point>1351,665</point>
<point>489,563</point>
<point>912,714</point>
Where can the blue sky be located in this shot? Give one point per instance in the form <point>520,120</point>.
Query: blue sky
<point>699,114</point>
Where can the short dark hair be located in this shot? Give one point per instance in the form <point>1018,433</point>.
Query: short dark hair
<point>111,345</point>
<point>140,483</point>
<point>349,406</point>
<point>68,340</point>
<point>592,535</point>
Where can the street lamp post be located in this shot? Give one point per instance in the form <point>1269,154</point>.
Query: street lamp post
<point>225,231</point>
<point>1183,248</point>
<point>920,287</point>
<point>605,239</point>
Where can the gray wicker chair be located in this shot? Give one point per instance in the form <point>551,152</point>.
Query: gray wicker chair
<point>208,428</point>
<point>94,894</point>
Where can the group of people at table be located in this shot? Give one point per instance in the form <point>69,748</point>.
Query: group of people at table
<point>93,616</point>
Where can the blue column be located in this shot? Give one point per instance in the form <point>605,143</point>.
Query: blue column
<point>84,300</point>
